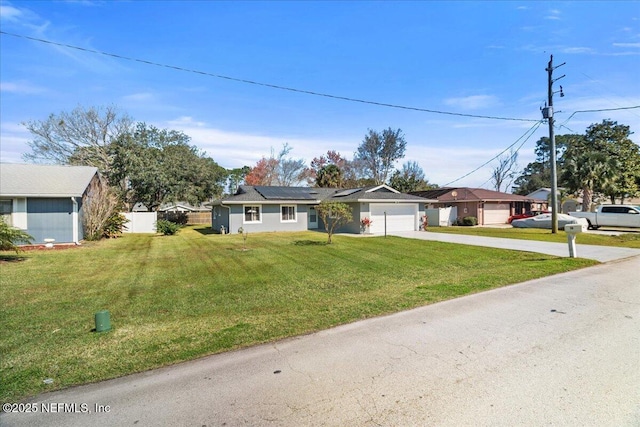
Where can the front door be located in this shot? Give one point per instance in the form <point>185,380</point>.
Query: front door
<point>313,218</point>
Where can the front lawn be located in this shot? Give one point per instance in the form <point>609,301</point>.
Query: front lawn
<point>629,239</point>
<point>176,298</point>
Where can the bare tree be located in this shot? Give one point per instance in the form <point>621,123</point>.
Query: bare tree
<point>79,137</point>
<point>506,171</point>
<point>280,170</point>
<point>99,204</point>
<point>290,171</point>
<point>379,151</point>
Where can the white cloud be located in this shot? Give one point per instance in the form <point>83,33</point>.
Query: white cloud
<point>626,45</point>
<point>554,14</point>
<point>14,142</point>
<point>441,165</point>
<point>21,88</point>
<point>237,149</point>
<point>22,17</point>
<point>578,50</point>
<point>9,13</point>
<point>473,102</point>
<point>139,97</point>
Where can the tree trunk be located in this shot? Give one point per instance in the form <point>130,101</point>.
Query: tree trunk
<point>587,195</point>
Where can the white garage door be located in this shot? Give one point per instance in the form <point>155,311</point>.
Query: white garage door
<point>496,213</point>
<point>400,217</point>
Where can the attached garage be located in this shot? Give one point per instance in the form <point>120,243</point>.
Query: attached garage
<point>496,213</point>
<point>399,217</point>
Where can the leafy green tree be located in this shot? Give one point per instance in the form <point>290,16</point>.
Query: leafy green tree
<point>333,215</point>
<point>332,158</point>
<point>80,137</point>
<point>329,176</point>
<point>154,166</point>
<point>379,151</point>
<point>604,161</point>
<point>10,237</point>
<point>622,158</point>
<point>236,177</point>
<point>410,178</point>
<point>537,174</point>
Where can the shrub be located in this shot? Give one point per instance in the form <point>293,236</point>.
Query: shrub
<point>114,225</point>
<point>469,221</point>
<point>10,236</point>
<point>167,228</point>
<point>180,218</point>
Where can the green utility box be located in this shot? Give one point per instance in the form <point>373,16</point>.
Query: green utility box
<point>103,321</point>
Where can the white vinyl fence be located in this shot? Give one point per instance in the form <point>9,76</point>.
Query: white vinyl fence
<point>140,222</point>
<point>442,217</point>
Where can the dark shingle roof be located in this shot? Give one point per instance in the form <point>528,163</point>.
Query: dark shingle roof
<point>310,195</point>
<point>457,194</point>
<point>373,193</point>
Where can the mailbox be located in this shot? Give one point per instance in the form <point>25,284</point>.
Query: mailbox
<point>573,228</point>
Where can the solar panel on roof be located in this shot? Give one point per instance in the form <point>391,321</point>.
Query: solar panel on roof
<point>284,193</point>
<point>346,192</point>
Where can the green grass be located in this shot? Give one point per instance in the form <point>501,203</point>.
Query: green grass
<point>628,239</point>
<point>176,298</point>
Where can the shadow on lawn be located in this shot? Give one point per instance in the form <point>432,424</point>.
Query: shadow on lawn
<point>309,243</point>
<point>206,230</point>
<point>12,258</point>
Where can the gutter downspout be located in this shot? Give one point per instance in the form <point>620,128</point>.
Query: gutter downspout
<point>228,216</point>
<point>74,219</point>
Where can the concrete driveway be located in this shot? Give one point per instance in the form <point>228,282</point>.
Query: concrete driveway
<point>563,350</point>
<point>598,253</point>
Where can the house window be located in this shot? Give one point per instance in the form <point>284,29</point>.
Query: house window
<point>252,214</point>
<point>287,213</point>
<point>6,207</point>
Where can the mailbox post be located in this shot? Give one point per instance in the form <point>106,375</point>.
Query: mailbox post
<point>572,230</point>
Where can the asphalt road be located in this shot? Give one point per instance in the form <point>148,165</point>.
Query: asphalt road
<point>563,351</point>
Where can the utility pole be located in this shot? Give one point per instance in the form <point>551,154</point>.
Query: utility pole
<point>547,113</point>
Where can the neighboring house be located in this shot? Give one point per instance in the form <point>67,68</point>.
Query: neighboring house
<point>46,201</point>
<point>488,206</point>
<point>182,207</point>
<point>140,207</point>
<point>185,213</point>
<point>568,203</point>
<point>264,208</point>
<point>573,204</point>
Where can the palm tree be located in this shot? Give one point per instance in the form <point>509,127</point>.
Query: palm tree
<point>589,172</point>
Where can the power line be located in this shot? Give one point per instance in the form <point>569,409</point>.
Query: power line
<point>530,133</point>
<point>273,86</point>
<point>606,88</point>
<point>598,111</point>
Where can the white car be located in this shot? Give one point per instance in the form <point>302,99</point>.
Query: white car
<point>544,221</point>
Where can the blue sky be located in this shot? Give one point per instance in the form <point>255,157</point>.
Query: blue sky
<point>474,58</point>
